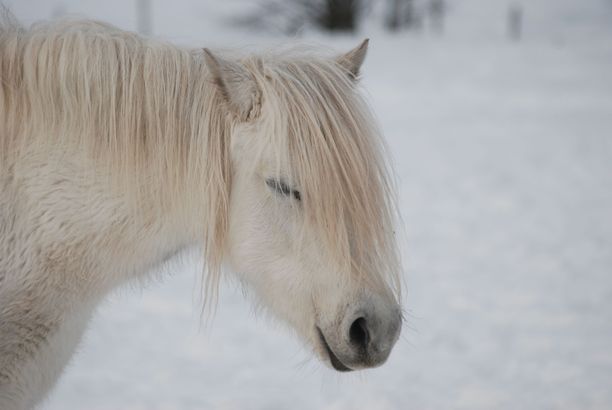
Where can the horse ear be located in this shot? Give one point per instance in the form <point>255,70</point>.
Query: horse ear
<point>235,83</point>
<point>353,60</point>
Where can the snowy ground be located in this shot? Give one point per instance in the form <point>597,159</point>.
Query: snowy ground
<point>504,153</point>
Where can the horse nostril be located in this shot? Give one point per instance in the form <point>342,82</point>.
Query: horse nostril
<point>359,334</point>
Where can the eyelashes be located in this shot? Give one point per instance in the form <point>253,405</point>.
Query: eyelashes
<point>282,188</point>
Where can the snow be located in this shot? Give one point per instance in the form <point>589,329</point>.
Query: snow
<point>504,157</point>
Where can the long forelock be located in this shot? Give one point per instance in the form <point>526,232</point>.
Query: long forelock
<point>339,162</point>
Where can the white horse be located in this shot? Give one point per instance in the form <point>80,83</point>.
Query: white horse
<point>118,151</point>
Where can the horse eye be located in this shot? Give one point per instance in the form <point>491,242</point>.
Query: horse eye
<point>283,189</point>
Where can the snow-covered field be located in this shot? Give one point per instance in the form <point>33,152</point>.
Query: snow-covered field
<point>504,156</point>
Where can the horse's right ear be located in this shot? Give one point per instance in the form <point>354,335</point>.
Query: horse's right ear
<point>236,84</point>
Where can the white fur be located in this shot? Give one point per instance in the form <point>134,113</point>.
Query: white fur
<point>92,197</point>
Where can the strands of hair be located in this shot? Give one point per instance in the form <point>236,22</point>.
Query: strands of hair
<point>142,110</point>
<point>324,129</point>
<point>148,111</point>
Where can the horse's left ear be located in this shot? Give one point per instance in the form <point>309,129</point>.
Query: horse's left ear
<point>237,85</point>
<point>353,60</point>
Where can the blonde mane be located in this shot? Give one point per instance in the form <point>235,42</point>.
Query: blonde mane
<point>145,110</point>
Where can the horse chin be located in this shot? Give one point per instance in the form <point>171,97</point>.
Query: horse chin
<point>333,359</point>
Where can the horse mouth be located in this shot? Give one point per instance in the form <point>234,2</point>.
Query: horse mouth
<point>335,362</point>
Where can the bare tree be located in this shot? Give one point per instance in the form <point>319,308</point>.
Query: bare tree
<point>339,15</point>
<point>290,16</point>
<point>402,13</point>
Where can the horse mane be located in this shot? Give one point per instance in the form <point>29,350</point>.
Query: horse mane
<point>140,109</point>
<point>146,109</point>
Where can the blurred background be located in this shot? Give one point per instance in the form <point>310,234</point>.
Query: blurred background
<point>499,118</point>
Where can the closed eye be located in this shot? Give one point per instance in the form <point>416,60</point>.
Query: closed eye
<point>282,188</point>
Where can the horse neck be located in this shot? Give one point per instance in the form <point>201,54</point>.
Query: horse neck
<point>180,156</point>
<point>111,104</point>
<point>144,113</point>
<point>184,149</point>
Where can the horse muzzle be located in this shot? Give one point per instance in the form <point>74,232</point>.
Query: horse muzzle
<point>364,339</point>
